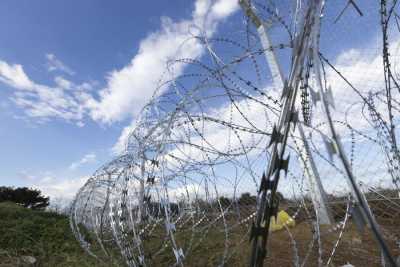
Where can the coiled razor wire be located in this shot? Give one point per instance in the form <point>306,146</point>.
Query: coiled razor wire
<point>219,160</point>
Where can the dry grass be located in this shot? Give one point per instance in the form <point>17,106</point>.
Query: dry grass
<point>354,247</point>
<point>51,242</point>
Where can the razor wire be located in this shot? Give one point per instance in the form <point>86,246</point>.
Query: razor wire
<point>206,167</point>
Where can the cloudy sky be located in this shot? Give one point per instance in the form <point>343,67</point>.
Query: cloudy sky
<point>75,74</point>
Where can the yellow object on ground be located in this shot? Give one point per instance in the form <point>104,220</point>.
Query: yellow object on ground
<point>282,219</point>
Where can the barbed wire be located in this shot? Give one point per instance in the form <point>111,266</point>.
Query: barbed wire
<point>206,167</point>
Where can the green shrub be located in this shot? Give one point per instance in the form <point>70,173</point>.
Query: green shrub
<point>43,235</point>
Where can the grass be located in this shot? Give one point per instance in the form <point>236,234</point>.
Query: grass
<point>47,237</point>
<point>43,235</point>
<point>355,248</point>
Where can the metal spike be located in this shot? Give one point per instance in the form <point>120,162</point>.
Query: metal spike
<point>285,90</point>
<point>150,179</point>
<point>282,164</point>
<point>155,162</point>
<point>274,208</point>
<point>256,231</point>
<point>276,137</point>
<point>266,183</point>
<point>293,117</point>
<point>147,198</point>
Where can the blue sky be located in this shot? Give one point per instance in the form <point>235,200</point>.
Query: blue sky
<point>54,44</point>
<point>75,74</point>
<point>100,37</point>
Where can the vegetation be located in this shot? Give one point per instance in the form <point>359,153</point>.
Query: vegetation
<point>28,198</point>
<point>46,236</point>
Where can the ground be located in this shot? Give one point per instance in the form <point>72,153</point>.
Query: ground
<point>47,237</point>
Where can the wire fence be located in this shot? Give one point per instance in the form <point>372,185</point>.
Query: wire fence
<point>264,150</point>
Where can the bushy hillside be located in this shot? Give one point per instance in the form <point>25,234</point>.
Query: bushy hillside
<point>46,236</point>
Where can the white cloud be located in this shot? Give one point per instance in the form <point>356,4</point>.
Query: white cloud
<point>65,100</point>
<point>88,158</point>
<point>54,64</point>
<point>60,189</point>
<point>129,88</point>
<point>223,138</point>
<point>364,70</point>
<point>61,192</point>
<point>120,146</point>
<point>14,76</point>
<point>63,83</point>
<point>222,9</point>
